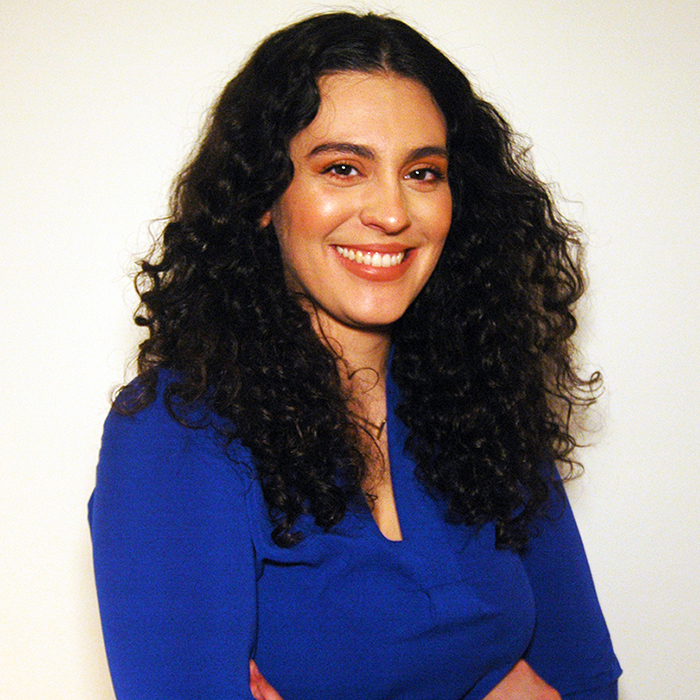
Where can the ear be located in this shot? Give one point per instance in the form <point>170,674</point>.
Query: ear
<point>265,219</point>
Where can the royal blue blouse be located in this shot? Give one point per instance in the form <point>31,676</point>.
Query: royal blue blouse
<point>191,585</point>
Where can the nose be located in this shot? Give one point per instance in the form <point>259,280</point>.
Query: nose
<point>385,208</point>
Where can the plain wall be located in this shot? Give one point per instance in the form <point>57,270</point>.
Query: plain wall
<point>99,105</point>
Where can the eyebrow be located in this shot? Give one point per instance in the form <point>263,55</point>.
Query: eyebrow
<point>366,152</point>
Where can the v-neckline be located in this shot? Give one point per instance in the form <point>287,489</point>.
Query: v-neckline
<point>396,486</point>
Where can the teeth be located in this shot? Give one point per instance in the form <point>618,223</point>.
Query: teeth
<point>371,259</point>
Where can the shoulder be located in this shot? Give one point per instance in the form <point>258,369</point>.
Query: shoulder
<point>162,442</point>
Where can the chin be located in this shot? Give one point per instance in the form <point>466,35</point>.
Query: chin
<point>377,321</point>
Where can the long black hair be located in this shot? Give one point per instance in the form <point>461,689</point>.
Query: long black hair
<point>483,357</point>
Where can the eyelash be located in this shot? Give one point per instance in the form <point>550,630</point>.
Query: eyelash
<point>333,169</point>
<point>436,173</point>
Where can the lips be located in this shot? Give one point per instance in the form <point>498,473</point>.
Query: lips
<point>375,259</point>
<point>379,263</point>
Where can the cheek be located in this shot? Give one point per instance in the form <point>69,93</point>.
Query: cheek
<point>439,219</point>
<point>304,215</point>
<point>325,210</point>
<point>446,210</point>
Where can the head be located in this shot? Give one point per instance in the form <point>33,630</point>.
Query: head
<point>244,163</point>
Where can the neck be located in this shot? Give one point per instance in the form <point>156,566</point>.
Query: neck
<point>363,366</point>
<point>364,356</point>
<point>370,353</point>
<point>361,351</point>
<point>363,362</point>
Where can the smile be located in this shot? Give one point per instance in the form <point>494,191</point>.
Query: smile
<point>371,259</point>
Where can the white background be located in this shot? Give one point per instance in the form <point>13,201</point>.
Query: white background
<point>99,104</point>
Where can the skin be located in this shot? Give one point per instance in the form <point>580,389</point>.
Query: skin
<point>370,182</point>
<point>522,683</point>
<point>260,689</point>
<point>370,174</point>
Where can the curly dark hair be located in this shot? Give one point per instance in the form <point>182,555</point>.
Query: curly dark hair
<point>483,357</point>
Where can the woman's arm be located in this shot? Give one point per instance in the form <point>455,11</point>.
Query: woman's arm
<point>521,683</point>
<point>174,562</point>
<point>259,687</point>
<point>571,648</point>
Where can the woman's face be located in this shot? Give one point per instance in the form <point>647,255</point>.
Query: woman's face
<point>363,222</point>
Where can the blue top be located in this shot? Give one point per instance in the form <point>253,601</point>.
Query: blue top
<point>191,585</point>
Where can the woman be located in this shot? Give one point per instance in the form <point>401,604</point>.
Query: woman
<point>334,474</point>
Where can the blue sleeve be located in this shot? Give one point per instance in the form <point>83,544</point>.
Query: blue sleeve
<point>571,647</point>
<point>174,561</point>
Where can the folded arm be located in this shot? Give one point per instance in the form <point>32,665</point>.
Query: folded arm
<point>173,562</point>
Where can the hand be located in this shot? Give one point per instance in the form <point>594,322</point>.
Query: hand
<point>522,683</point>
<point>259,687</point>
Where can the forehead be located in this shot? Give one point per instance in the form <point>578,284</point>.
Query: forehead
<point>380,108</point>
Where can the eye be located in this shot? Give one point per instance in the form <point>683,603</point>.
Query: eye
<point>431,174</point>
<point>341,170</point>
